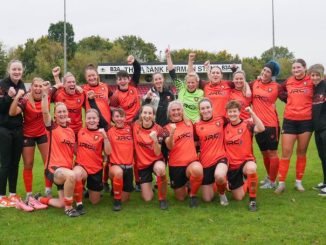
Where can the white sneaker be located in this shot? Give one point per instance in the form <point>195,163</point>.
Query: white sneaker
<point>224,200</point>
<point>322,192</point>
<point>264,181</point>
<point>298,186</point>
<point>268,185</point>
<point>319,186</point>
<point>280,188</point>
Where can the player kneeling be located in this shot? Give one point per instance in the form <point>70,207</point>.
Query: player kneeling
<point>183,161</point>
<point>148,138</point>
<point>58,167</point>
<point>210,132</point>
<point>92,141</point>
<point>238,136</point>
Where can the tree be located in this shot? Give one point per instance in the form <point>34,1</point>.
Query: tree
<point>286,66</point>
<point>280,52</point>
<point>252,67</point>
<point>3,61</point>
<point>94,43</point>
<point>144,52</point>
<point>56,33</point>
<point>181,56</point>
<point>83,58</point>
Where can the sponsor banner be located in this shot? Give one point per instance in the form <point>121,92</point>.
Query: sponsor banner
<point>150,69</point>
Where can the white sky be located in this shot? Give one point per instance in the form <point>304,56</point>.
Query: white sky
<point>241,27</point>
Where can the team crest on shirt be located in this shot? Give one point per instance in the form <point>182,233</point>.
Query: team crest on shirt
<point>270,90</point>
<point>222,86</point>
<point>96,137</point>
<point>201,128</point>
<point>25,141</point>
<point>131,92</point>
<point>218,124</point>
<point>305,83</point>
<point>240,130</point>
<point>78,101</point>
<point>102,88</point>
<point>83,133</point>
<point>168,98</point>
<point>196,99</point>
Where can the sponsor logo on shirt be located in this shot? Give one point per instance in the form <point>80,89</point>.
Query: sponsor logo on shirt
<point>212,136</point>
<point>124,138</point>
<point>184,135</point>
<point>234,142</point>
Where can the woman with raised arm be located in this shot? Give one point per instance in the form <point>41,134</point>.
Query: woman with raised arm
<point>121,165</point>
<point>148,138</point>
<point>238,136</point>
<point>11,133</point>
<point>71,95</point>
<point>60,155</point>
<point>210,133</point>
<point>92,142</point>
<point>102,94</point>
<point>183,160</point>
<point>297,123</point>
<point>34,134</point>
<point>188,92</point>
<point>219,90</point>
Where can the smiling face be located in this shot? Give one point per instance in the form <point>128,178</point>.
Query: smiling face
<point>266,75</point>
<point>61,114</point>
<point>15,71</point>
<point>191,83</point>
<point>176,112</point>
<point>92,120</point>
<point>158,81</point>
<point>118,118</point>
<point>239,81</point>
<point>315,77</point>
<point>123,82</point>
<point>298,70</point>
<point>216,75</point>
<point>36,89</point>
<point>233,115</point>
<point>147,116</point>
<point>206,110</point>
<point>70,84</point>
<point>91,77</point>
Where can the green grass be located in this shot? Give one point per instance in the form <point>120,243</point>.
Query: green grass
<point>291,218</point>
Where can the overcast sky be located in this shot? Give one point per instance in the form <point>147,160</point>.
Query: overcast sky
<point>241,27</point>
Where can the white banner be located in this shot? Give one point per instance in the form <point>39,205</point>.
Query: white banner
<point>150,69</point>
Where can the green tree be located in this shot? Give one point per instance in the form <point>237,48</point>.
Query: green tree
<point>3,61</point>
<point>286,66</point>
<point>181,56</point>
<point>56,33</point>
<point>26,53</point>
<point>49,54</point>
<point>94,43</point>
<point>144,52</point>
<point>83,58</point>
<point>280,52</point>
<point>252,67</point>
